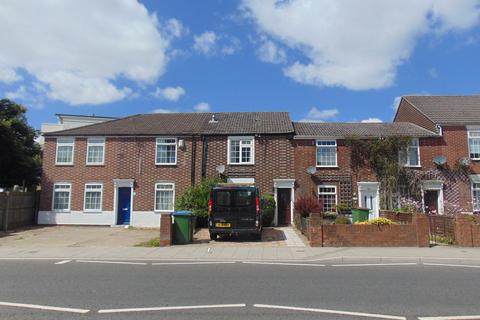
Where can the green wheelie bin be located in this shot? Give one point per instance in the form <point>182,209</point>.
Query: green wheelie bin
<point>360,214</point>
<point>183,226</point>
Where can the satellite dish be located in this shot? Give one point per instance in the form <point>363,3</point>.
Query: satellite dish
<point>220,168</point>
<point>311,170</point>
<point>440,160</point>
<point>464,161</point>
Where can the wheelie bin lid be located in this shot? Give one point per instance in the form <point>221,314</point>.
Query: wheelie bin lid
<point>183,213</point>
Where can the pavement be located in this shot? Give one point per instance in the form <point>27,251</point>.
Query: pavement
<point>65,242</point>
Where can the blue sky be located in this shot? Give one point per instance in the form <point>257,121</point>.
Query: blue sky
<point>319,60</point>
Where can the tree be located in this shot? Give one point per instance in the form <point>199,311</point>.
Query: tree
<point>20,156</point>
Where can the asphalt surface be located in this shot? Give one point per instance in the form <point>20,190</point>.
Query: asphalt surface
<point>406,291</point>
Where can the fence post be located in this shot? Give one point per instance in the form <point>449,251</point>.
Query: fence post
<point>6,212</point>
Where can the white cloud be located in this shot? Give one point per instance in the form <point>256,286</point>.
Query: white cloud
<point>202,107</point>
<point>170,93</point>
<point>372,120</point>
<point>174,28</point>
<point>355,44</point>
<point>270,52</point>
<point>205,43</point>
<point>9,75</point>
<point>209,43</point>
<point>320,115</point>
<point>164,110</point>
<point>33,96</point>
<point>80,49</point>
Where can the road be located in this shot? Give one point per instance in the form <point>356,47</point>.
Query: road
<point>234,290</point>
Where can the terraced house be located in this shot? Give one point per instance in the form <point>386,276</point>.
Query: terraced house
<point>129,171</point>
<point>450,162</point>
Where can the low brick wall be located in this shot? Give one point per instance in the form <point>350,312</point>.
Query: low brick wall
<point>399,217</point>
<point>415,234</point>
<point>166,230</point>
<point>467,231</point>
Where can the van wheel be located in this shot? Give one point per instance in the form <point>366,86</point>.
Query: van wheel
<point>213,236</point>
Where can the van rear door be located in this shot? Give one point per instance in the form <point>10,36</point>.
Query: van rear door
<point>234,207</point>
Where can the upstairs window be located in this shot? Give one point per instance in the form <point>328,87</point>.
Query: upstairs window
<point>166,151</point>
<point>164,196</point>
<point>65,148</point>
<point>93,197</point>
<point>326,153</point>
<point>474,144</point>
<point>241,150</point>
<point>411,157</point>
<point>61,196</point>
<point>328,194</point>
<point>95,150</point>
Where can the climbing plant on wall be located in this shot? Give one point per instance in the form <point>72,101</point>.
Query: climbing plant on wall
<point>382,156</point>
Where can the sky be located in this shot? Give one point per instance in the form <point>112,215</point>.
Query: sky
<point>320,60</point>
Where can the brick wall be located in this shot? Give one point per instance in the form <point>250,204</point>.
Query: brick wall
<point>166,230</point>
<point>407,113</point>
<point>397,235</point>
<point>467,231</point>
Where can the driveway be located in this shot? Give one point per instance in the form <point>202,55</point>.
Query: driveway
<point>75,236</point>
<point>271,237</point>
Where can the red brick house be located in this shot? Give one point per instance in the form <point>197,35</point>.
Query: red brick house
<point>323,165</point>
<point>451,161</point>
<point>129,171</point>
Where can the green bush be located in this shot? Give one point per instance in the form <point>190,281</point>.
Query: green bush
<point>195,199</point>
<point>268,209</point>
<point>342,220</point>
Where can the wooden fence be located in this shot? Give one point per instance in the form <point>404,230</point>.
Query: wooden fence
<point>18,209</point>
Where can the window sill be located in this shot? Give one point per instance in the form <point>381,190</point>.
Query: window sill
<point>64,164</point>
<point>61,211</point>
<point>328,167</point>
<point>165,164</point>
<point>163,211</point>
<point>93,211</point>
<point>407,166</point>
<point>241,164</point>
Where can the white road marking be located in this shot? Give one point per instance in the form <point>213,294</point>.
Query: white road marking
<point>173,308</point>
<point>285,264</point>
<point>63,262</point>
<point>111,262</point>
<point>450,265</point>
<point>191,263</point>
<point>451,318</point>
<point>40,307</point>
<point>373,264</point>
<point>346,313</point>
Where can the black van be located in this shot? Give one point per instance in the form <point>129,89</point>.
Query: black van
<point>234,209</point>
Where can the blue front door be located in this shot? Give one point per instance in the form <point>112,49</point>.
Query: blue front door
<point>123,206</point>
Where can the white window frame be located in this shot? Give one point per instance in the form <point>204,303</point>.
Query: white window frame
<point>407,156</point>
<point>473,183</point>
<point>69,196</point>
<point>157,143</point>
<point>328,146</point>
<point>172,184</point>
<point>251,146</point>
<point>71,142</point>
<point>90,143</point>
<point>85,197</point>
<point>477,131</point>
<point>328,186</point>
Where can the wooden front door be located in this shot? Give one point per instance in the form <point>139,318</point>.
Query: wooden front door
<point>283,203</point>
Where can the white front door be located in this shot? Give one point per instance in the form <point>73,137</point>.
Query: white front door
<point>368,193</point>
<point>369,200</point>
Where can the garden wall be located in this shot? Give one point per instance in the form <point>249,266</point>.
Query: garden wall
<point>415,234</point>
<point>467,231</point>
